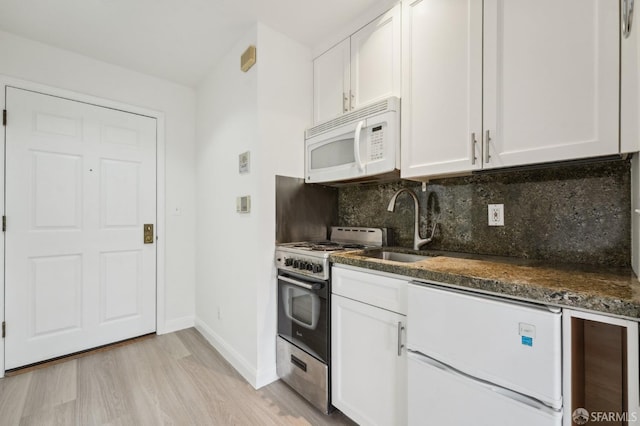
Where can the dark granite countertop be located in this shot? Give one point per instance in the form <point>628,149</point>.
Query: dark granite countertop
<point>611,291</point>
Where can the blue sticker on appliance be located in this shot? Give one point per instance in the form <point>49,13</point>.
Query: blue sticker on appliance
<point>527,341</point>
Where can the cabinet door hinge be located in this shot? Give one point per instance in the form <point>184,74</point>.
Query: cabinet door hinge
<point>4,224</point>
<point>4,329</point>
<point>4,117</point>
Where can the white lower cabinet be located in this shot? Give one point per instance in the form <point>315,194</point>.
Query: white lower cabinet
<point>368,356</point>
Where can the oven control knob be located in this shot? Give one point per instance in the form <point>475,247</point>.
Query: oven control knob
<point>288,261</point>
<point>317,268</point>
<point>310,266</point>
<point>296,263</point>
<point>303,265</point>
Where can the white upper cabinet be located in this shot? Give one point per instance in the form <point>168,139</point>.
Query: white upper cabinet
<point>551,80</point>
<point>506,83</point>
<point>630,79</point>
<point>331,82</point>
<point>361,69</point>
<point>375,60</point>
<point>442,87</point>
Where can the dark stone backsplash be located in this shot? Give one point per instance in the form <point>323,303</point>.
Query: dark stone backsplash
<point>577,213</point>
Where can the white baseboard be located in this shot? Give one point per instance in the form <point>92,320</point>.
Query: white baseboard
<point>176,324</point>
<point>234,358</point>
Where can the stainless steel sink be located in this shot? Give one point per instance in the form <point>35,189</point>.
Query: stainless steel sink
<point>395,256</point>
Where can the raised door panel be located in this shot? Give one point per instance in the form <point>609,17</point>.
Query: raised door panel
<point>442,87</point>
<point>375,60</point>
<point>121,286</point>
<point>368,377</point>
<point>120,194</point>
<point>330,82</point>
<point>551,80</point>
<point>55,293</point>
<point>55,191</point>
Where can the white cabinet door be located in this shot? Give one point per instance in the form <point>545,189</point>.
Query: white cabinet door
<point>375,60</point>
<point>544,88</point>
<point>630,83</point>
<point>368,378</point>
<point>442,87</point>
<point>362,69</point>
<point>331,83</point>
<point>551,80</point>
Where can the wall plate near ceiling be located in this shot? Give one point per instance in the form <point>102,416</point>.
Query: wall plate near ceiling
<point>248,58</point>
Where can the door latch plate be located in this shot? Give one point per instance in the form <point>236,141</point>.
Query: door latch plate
<point>148,233</point>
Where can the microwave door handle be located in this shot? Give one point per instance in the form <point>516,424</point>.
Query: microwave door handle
<point>356,146</point>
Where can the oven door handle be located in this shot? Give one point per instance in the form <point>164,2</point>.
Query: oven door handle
<point>314,286</point>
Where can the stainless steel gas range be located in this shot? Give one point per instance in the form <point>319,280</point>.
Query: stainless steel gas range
<point>304,309</point>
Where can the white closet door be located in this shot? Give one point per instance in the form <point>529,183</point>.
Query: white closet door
<point>551,80</point>
<point>81,182</point>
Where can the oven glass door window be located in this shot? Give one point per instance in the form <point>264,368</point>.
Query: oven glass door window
<point>302,306</point>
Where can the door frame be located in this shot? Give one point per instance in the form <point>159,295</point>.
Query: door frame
<point>160,185</point>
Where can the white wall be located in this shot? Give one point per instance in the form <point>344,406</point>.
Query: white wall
<point>264,111</point>
<point>37,62</point>
<point>285,91</point>
<point>225,244</point>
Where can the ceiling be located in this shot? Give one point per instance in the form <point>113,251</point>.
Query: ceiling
<point>178,40</point>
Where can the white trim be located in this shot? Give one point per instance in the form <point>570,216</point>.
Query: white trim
<point>160,227</point>
<point>177,324</point>
<point>161,325</point>
<point>3,100</point>
<point>227,351</point>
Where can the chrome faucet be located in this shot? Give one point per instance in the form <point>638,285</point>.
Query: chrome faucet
<point>417,241</point>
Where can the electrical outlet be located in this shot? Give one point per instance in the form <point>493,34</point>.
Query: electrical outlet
<point>496,214</point>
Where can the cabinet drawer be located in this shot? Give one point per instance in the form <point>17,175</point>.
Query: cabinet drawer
<point>381,290</point>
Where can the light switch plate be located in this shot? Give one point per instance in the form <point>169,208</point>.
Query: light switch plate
<point>496,214</point>
<point>243,204</point>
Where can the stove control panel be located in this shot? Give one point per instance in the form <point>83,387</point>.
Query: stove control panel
<point>303,265</point>
<point>306,266</point>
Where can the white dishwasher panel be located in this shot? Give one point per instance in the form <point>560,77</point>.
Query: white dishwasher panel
<point>513,345</point>
<point>438,397</point>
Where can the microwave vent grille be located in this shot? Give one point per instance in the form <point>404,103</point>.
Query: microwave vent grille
<point>365,112</point>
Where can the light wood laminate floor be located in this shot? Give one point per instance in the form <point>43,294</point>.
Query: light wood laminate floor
<point>173,379</point>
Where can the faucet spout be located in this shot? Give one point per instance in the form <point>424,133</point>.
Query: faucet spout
<point>417,241</point>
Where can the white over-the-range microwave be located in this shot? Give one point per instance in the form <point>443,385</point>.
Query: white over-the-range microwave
<point>361,145</point>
